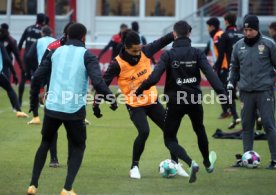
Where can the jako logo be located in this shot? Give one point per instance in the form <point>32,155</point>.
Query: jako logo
<point>180,81</point>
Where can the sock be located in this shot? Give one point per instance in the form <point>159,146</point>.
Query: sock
<point>135,163</point>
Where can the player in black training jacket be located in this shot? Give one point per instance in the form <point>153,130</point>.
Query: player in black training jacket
<point>182,64</point>
<point>225,46</point>
<point>29,36</point>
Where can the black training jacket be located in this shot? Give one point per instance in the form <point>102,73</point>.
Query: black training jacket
<point>30,35</point>
<point>225,45</point>
<point>183,64</point>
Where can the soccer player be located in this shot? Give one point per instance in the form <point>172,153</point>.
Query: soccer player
<point>215,32</point>
<point>11,46</point>
<point>34,56</point>
<point>183,64</point>
<point>114,43</point>
<point>131,67</point>
<point>5,83</point>
<point>135,27</point>
<point>30,35</point>
<point>252,66</point>
<point>225,45</point>
<point>69,67</point>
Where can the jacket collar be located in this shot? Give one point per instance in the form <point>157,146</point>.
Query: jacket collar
<point>182,42</point>
<point>75,42</point>
<point>231,27</point>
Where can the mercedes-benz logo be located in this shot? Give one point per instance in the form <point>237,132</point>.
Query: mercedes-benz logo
<point>175,64</point>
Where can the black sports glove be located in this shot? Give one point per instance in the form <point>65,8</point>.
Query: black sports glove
<point>114,106</point>
<point>230,86</point>
<point>139,91</point>
<point>97,111</point>
<point>15,79</point>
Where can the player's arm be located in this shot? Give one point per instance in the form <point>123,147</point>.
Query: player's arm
<point>221,52</point>
<point>155,75</point>
<point>151,48</point>
<point>234,73</point>
<point>110,43</point>
<point>39,76</point>
<point>94,73</point>
<point>22,39</point>
<point>15,52</point>
<point>31,56</point>
<point>7,61</point>
<point>211,76</point>
<point>112,71</point>
<point>207,48</point>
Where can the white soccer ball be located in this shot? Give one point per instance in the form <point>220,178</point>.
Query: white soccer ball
<point>168,168</point>
<point>251,159</point>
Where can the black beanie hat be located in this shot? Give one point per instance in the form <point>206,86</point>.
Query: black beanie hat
<point>251,21</point>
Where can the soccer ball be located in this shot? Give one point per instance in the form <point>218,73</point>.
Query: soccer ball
<point>168,168</point>
<point>251,159</point>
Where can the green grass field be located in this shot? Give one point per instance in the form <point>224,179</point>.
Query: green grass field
<point>108,153</point>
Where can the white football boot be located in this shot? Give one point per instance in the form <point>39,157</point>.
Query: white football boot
<point>135,173</point>
<point>181,171</point>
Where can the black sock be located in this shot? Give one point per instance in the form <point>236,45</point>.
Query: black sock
<point>135,163</point>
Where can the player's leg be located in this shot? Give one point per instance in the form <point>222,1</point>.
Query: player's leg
<point>53,152</point>
<point>76,131</point>
<point>49,129</point>
<point>173,117</point>
<point>266,106</point>
<point>21,86</point>
<point>248,102</point>
<point>4,82</point>
<point>195,113</point>
<point>156,113</point>
<point>139,119</point>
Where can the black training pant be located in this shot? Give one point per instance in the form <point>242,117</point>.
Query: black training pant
<point>5,84</point>
<point>138,115</point>
<point>76,133</point>
<point>29,71</point>
<point>173,118</point>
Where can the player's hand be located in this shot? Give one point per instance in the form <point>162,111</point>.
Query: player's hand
<point>230,86</point>
<point>97,111</point>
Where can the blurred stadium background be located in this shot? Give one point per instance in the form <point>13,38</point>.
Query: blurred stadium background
<point>155,17</point>
<point>103,17</point>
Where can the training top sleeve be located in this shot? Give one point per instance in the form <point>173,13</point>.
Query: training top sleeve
<point>94,73</point>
